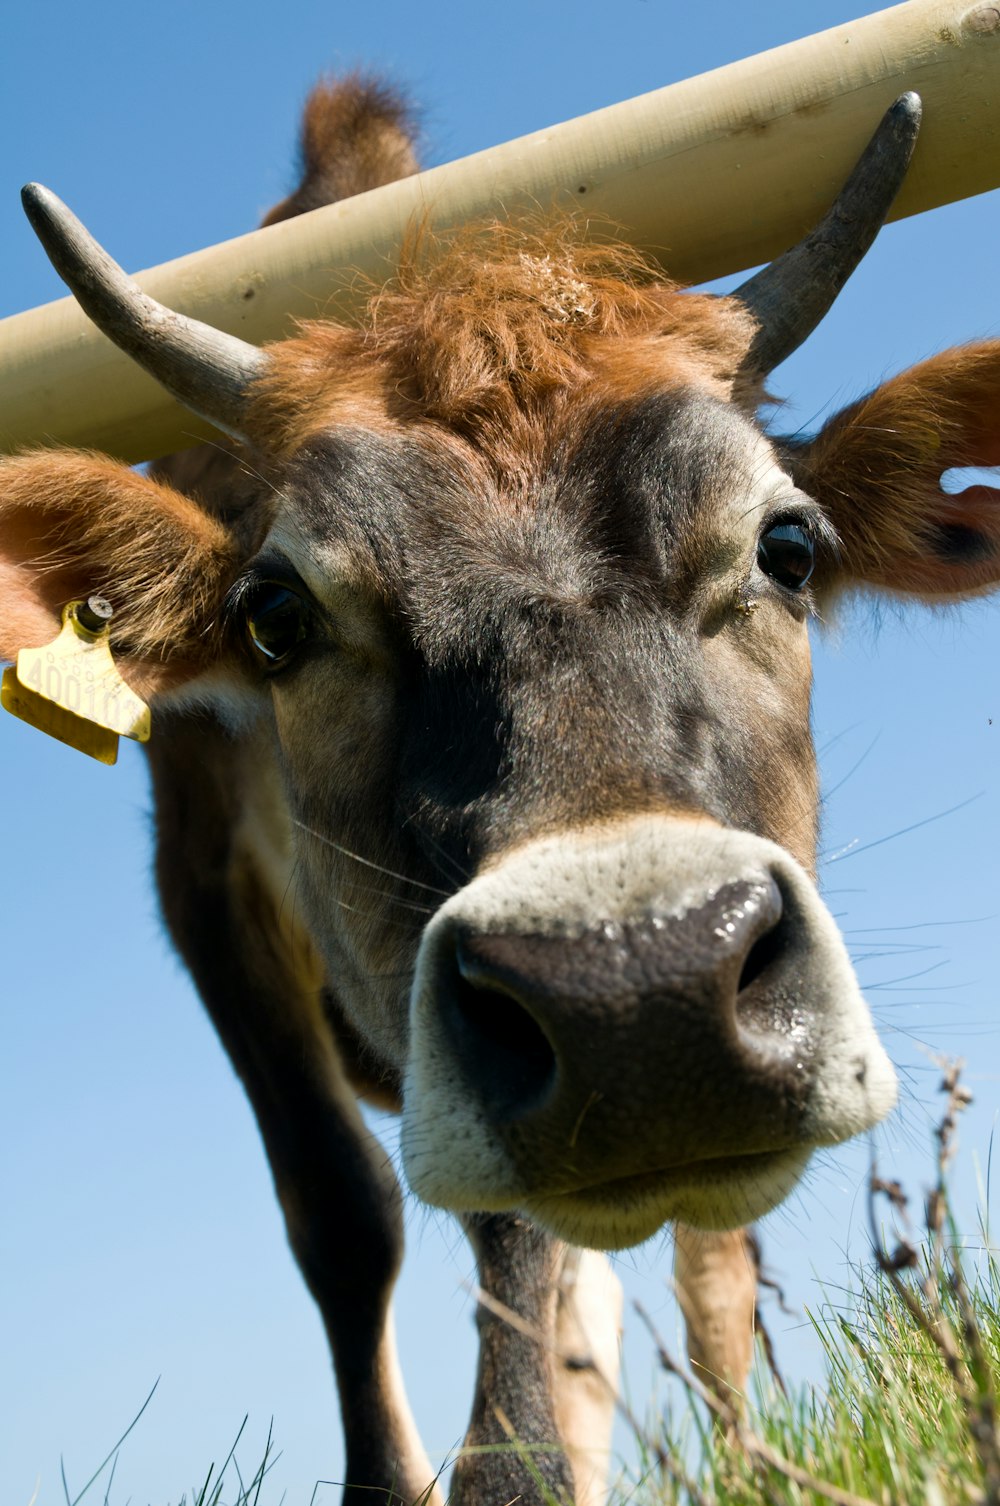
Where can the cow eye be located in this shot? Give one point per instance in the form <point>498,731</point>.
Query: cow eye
<point>277,622</point>
<point>787,552</point>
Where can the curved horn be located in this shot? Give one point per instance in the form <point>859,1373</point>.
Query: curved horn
<point>791,296</point>
<point>208,371</point>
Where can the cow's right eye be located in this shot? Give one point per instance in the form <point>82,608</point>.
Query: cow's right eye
<point>787,552</point>
<point>277,622</point>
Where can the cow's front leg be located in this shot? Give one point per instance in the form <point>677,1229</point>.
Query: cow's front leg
<point>716,1277</point>
<point>260,982</point>
<point>343,1211</point>
<point>512,1447</point>
<point>545,1389</point>
<point>342,1207</point>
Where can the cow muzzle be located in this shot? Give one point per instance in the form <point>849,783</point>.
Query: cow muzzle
<point>650,1021</point>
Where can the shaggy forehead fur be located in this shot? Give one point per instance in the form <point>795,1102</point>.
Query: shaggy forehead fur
<point>525,450</point>
<point>487,334</point>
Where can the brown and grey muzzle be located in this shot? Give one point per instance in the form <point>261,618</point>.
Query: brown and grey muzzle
<point>652,1020</point>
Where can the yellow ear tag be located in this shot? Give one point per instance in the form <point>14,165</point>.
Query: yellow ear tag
<point>72,690</point>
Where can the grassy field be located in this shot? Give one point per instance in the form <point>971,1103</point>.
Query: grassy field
<point>905,1414</point>
<point>907,1410</point>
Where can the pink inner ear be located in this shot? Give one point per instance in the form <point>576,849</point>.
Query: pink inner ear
<point>29,618</point>
<point>36,580</point>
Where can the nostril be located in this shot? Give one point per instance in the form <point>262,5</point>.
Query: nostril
<point>747,921</point>
<point>771,1024</point>
<point>765,950</point>
<point>506,1055</point>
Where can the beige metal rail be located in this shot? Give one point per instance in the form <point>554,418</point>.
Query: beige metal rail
<point>714,174</point>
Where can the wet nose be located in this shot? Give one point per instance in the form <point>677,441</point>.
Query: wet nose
<point>546,1028</point>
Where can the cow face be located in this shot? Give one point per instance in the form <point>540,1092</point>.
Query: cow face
<point>517,630</point>
<point>578,697</point>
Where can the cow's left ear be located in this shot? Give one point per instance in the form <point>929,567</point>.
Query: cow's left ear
<point>73,525</point>
<point>877,466</point>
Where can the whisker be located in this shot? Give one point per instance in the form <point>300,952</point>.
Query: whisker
<point>852,850</point>
<point>385,920</point>
<point>906,977</point>
<point>426,840</point>
<point>837,737</point>
<point>888,950</point>
<point>378,867</point>
<point>828,794</point>
<point>399,922</point>
<point>919,925</point>
<point>390,898</point>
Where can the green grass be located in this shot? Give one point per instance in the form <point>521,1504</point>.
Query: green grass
<point>907,1410</point>
<point>895,1421</point>
<point>221,1486</point>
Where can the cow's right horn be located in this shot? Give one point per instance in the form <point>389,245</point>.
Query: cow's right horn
<point>790,297</point>
<point>207,370</point>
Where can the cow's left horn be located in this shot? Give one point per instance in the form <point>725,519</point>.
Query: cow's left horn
<point>207,370</point>
<point>791,296</point>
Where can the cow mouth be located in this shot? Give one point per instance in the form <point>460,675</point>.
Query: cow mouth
<point>716,1193</point>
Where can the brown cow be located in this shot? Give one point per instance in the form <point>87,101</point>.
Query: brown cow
<point>500,652</point>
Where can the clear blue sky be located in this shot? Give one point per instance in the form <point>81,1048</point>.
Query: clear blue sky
<point>139,1236</point>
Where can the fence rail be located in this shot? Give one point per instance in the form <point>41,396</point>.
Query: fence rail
<point>712,175</point>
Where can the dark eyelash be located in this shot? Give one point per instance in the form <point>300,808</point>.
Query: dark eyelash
<point>236,598</point>
<point>242,592</point>
<point>816,524</point>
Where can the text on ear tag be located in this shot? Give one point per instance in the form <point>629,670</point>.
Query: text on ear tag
<point>71,689</point>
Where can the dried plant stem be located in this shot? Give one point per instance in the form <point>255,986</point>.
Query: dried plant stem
<point>972,1377</point>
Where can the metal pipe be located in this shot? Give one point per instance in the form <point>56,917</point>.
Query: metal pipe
<point>712,175</point>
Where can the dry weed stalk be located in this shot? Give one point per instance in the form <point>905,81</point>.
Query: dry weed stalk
<point>971,1376</point>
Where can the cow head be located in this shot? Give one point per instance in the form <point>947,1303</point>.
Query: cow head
<point>516,619</point>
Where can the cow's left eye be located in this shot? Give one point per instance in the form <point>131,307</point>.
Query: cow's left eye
<point>277,622</point>
<point>787,552</point>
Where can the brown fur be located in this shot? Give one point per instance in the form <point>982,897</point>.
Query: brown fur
<point>482,334</point>
<point>357,133</point>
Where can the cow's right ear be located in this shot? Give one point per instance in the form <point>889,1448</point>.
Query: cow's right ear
<point>877,469</point>
<point>74,525</point>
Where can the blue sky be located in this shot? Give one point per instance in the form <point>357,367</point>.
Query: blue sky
<point>139,1235</point>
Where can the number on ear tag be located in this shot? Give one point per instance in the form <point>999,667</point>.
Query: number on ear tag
<point>72,690</point>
